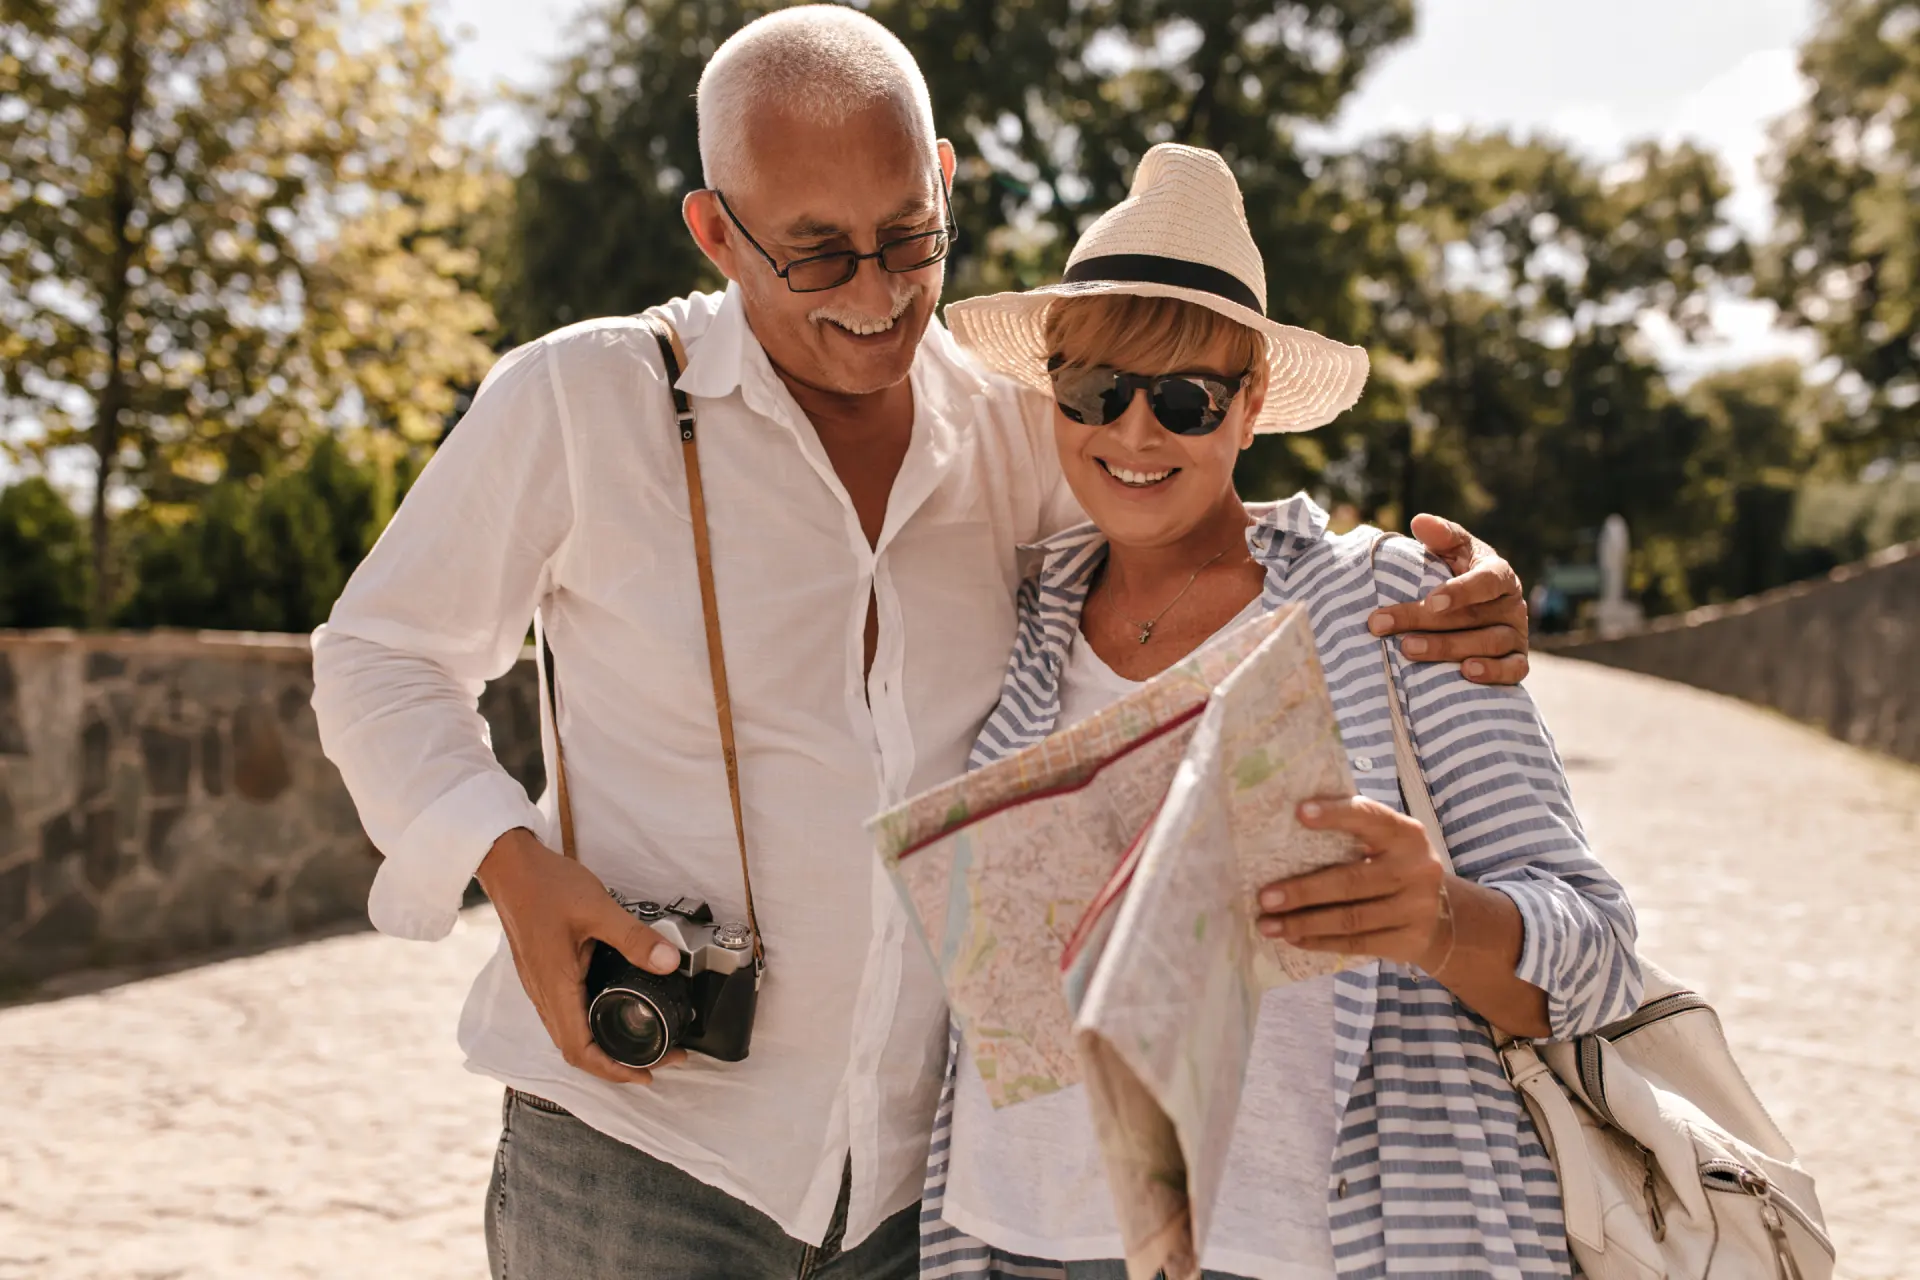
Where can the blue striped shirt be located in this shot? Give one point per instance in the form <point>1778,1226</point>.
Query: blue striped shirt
<point>1437,1169</point>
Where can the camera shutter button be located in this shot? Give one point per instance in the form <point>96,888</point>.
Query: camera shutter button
<point>733,935</point>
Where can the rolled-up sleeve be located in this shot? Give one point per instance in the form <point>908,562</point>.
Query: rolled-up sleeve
<point>1503,801</point>
<point>440,606</point>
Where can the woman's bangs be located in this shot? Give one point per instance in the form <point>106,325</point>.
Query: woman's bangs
<point>1143,334</point>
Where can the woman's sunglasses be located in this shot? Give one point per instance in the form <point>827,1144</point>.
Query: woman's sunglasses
<point>1187,404</point>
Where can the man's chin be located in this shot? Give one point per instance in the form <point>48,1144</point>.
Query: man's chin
<point>858,366</point>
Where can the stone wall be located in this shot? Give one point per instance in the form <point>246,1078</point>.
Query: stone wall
<point>1840,652</point>
<point>164,795</point>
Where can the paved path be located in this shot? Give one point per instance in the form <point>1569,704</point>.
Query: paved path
<point>303,1113</point>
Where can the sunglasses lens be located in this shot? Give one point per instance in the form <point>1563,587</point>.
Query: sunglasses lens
<point>1090,396</point>
<point>1186,407</point>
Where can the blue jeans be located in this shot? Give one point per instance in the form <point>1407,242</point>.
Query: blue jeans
<point>569,1203</point>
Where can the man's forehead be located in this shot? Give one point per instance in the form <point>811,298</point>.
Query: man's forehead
<point>862,172</point>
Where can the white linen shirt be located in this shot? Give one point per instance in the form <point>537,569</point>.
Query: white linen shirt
<point>563,489</point>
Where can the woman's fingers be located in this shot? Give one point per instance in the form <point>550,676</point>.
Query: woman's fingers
<point>1342,920</point>
<point>1384,905</point>
<point>1380,831</point>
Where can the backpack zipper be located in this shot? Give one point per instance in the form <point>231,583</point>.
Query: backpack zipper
<point>1592,1071</point>
<point>1772,1202</point>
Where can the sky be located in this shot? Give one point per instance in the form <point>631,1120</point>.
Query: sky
<point>1596,74</point>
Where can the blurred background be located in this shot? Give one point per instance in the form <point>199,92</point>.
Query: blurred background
<point>1641,284</point>
<point>1653,259</point>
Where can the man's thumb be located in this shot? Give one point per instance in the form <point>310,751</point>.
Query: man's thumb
<point>1445,539</point>
<point>639,944</point>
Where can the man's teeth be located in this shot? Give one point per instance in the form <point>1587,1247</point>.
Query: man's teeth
<point>1137,478</point>
<point>865,328</point>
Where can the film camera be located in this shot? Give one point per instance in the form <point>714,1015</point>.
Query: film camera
<point>706,1005</point>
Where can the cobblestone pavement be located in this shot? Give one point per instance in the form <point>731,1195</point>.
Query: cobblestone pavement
<point>303,1113</point>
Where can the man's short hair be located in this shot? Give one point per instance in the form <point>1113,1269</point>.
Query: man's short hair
<point>821,62</point>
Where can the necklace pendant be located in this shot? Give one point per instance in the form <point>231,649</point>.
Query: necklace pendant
<point>1146,631</point>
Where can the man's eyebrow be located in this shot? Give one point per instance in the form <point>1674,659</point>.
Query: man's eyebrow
<point>807,227</point>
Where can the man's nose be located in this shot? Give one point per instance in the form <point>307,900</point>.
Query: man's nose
<point>871,290</point>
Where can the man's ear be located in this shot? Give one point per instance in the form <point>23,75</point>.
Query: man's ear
<point>707,221</point>
<point>946,161</point>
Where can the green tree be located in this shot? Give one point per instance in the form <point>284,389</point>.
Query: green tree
<point>1846,258</point>
<point>1507,281</point>
<point>257,553</point>
<point>45,554</point>
<point>1050,104</point>
<point>1763,427</point>
<point>229,224</point>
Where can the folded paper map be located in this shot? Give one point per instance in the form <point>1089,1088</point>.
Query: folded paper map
<point>1089,903</point>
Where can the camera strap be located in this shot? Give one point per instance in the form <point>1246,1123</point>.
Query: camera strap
<point>673,356</point>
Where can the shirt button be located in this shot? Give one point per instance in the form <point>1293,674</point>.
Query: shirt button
<point>1340,1189</point>
<point>1363,763</point>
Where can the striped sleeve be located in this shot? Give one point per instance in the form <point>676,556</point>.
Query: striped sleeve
<point>1503,800</point>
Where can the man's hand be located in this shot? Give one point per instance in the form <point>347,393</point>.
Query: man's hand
<point>553,910</point>
<point>1477,618</point>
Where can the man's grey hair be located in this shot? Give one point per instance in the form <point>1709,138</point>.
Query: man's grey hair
<point>821,62</point>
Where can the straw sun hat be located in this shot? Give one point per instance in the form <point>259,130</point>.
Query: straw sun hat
<point>1180,233</point>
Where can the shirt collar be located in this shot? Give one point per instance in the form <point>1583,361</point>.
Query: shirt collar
<point>717,358</point>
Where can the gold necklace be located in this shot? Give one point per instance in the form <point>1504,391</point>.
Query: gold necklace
<point>1146,628</point>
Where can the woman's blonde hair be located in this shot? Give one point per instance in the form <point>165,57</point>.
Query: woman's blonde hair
<point>1142,334</point>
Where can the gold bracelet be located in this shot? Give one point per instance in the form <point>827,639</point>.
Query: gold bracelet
<point>1453,932</point>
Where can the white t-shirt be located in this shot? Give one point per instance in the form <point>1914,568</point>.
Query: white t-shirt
<point>1029,1178</point>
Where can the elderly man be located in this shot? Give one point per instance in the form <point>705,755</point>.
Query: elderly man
<point>866,488</point>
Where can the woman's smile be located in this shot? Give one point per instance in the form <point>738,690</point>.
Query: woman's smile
<point>1136,477</point>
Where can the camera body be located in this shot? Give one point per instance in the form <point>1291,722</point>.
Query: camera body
<point>706,1005</point>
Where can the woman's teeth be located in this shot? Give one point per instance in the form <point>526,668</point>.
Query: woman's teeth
<point>1136,479</point>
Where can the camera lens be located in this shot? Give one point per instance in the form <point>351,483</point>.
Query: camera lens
<point>638,1016</point>
<point>629,1028</point>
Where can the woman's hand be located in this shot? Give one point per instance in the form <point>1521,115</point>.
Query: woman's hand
<point>1392,904</point>
<point>1402,902</point>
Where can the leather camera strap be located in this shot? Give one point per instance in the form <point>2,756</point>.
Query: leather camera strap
<point>673,355</point>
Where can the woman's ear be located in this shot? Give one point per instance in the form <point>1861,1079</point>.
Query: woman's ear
<point>1254,398</point>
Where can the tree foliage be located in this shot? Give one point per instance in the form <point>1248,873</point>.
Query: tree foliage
<point>1050,104</point>
<point>225,225</point>
<point>1847,168</point>
<point>259,553</point>
<point>44,551</point>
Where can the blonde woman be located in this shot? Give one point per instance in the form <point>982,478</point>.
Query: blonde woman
<point>1377,1133</point>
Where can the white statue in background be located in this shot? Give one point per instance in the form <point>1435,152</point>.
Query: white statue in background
<point>1615,614</point>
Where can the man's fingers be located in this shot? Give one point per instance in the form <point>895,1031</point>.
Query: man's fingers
<point>1495,640</point>
<point>640,945</point>
<point>1440,613</point>
<point>1449,541</point>
<point>1511,669</point>
<point>1489,580</point>
<point>595,1062</point>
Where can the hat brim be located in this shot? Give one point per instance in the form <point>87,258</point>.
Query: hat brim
<point>1311,379</point>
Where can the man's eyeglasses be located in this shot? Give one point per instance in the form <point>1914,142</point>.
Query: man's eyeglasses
<point>1187,404</point>
<point>824,271</point>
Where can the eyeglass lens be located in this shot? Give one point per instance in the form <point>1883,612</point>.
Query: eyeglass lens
<point>831,270</point>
